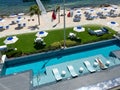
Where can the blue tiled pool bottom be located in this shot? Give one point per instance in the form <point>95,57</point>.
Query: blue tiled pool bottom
<point>49,76</point>
<point>40,65</point>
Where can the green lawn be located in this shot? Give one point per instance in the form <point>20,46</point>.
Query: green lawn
<point>26,41</point>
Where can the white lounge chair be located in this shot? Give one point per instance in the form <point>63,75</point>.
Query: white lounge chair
<point>99,61</point>
<point>72,71</point>
<point>89,66</point>
<point>57,74</point>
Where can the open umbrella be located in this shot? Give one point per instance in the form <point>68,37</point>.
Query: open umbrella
<point>79,29</point>
<point>112,23</point>
<point>10,40</point>
<point>19,19</point>
<point>90,10</point>
<point>41,34</point>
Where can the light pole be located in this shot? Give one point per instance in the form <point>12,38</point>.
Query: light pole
<point>64,24</point>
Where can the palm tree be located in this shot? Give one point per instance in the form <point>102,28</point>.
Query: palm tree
<point>34,9</point>
<point>58,11</point>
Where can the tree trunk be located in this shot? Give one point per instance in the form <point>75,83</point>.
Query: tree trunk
<point>59,17</point>
<point>38,19</point>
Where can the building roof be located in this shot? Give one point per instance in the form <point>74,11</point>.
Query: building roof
<point>16,82</point>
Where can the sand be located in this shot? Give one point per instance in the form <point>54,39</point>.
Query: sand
<point>47,24</point>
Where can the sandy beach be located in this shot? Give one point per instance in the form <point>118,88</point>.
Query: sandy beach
<point>47,24</point>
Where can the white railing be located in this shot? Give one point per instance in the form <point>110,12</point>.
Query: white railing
<point>41,7</point>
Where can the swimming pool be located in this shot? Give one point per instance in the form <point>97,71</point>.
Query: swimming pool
<point>38,62</point>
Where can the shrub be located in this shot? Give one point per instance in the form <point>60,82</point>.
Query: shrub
<point>13,53</point>
<point>55,45</point>
<point>69,43</point>
<point>39,45</point>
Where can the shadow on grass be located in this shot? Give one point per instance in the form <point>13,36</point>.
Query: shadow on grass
<point>38,46</point>
<point>77,39</point>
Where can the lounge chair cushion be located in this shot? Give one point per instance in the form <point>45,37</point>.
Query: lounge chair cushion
<point>57,74</point>
<point>91,32</point>
<point>89,66</point>
<point>72,71</point>
<point>104,30</point>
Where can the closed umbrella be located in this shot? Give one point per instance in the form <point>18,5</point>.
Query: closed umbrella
<point>68,15</point>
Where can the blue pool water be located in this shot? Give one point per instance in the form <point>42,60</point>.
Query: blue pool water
<point>39,66</point>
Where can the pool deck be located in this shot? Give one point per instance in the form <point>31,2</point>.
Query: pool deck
<point>86,80</point>
<point>16,82</point>
<point>116,53</point>
<point>49,77</point>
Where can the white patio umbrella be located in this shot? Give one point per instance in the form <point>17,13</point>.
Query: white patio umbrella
<point>90,10</point>
<point>38,39</point>
<point>79,11</point>
<point>79,29</point>
<point>10,40</point>
<point>104,9</point>
<point>41,34</point>
<point>113,23</point>
<point>19,19</point>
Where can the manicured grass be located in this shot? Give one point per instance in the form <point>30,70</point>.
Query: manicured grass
<point>26,41</point>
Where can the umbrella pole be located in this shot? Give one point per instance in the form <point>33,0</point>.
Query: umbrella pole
<point>64,24</point>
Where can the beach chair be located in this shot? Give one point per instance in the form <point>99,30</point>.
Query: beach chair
<point>105,30</point>
<point>57,74</point>
<point>72,71</point>
<point>89,66</point>
<point>91,32</point>
<point>99,61</point>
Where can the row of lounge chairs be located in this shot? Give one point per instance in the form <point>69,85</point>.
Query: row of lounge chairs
<point>4,27</point>
<point>72,71</point>
<point>100,32</point>
<point>101,15</point>
<point>58,75</point>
